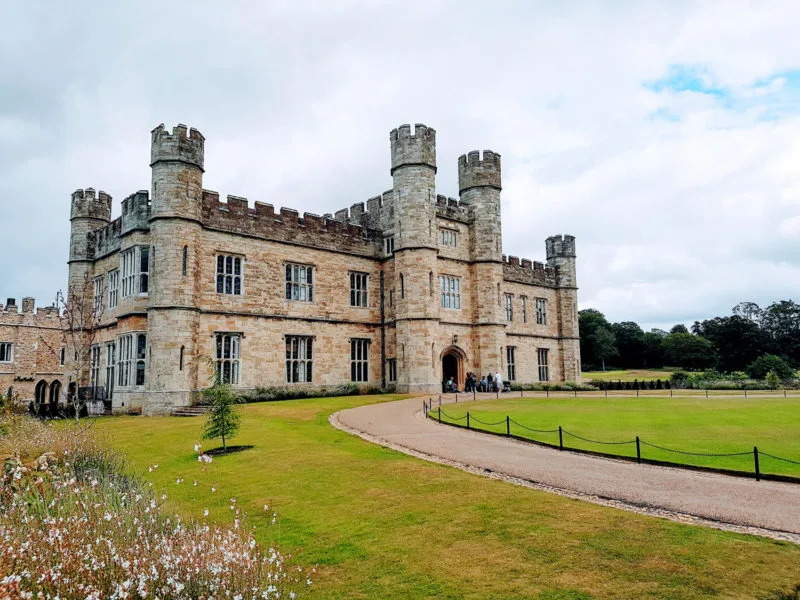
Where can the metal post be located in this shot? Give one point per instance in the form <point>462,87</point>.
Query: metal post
<point>456,397</point>
<point>560,439</point>
<point>473,393</point>
<point>755,460</point>
<point>670,392</point>
<point>440,414</point>
<point>706,392</point>
<point>508,426</point>
<point>467,419</point>
<point>576,393</point>
<point>745,392</point>
<point>606,393</point>
<point>638,451</point>
<point>637,392</point>
<point>498,392</point>
<point>547,391</point>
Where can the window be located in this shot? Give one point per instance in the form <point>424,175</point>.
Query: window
<point>544,374</point>
<point>98,294</point>
<point>229,275</point>
<point>402,286</point>
<point>94,369</point>
<point>135,264</point>
<point>6,352</point>
<point>299,359</point>
<point>430,284</point>
<point>228,361</point>
<point>524,301</point>
<point>541,311</point>
<point>450,291</point>
<point>111,351</point>
<point>299,283</point>
<point>392,363</point>
<point>184,260</point>
<point>180,358</point>
<point>62,355</point>
<point>511,363</point>
<point>113,288</point>
<point>509,299</point>
<point>449,237</point>
<point>131,365</point>
<point>388,244</point>
<point>359,360</point>
<point>358,289</point>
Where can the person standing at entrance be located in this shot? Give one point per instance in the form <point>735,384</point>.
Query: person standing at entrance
<point>498,382</point>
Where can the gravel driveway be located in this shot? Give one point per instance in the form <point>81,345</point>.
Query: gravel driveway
<point>759,507</point>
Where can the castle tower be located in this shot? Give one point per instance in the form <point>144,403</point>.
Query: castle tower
<point>479,185</point>
<point>177,179</point>
<point>416,249</point>
<point>561,256</point>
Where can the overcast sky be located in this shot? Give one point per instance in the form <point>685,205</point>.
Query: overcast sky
<point>664,135</point>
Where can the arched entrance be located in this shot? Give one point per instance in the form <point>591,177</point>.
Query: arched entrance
<point>41,392</point>
<point>453,359</point>
<point>55,396</point>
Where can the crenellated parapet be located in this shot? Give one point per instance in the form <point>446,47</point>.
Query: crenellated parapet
<point>89,204</point>
<point>135,217</point>
<point>236,216</point>
<point>476,171</point>
<point>413,148</point>
<point>10,314</point>
<point>530,272</point>
<point>376,213</point>
<point>560,246</point>
<point>453,209</point>
<point>178,146</point>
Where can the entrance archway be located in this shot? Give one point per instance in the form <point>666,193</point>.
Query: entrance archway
<point>41,392</point>
<point>453,359</point>
<point>55,396</point>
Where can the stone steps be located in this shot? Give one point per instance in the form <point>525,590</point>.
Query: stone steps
<point>189,411</point>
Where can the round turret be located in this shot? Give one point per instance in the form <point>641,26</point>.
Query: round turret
<point>177,146</point>
<point>417,149</point>
<point>89,211</point>
<point>475,172</point>
<point>177,170</point>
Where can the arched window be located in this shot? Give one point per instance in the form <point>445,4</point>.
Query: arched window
<point>402,286</point>
<point>180,359</point>
<point>184,260</point>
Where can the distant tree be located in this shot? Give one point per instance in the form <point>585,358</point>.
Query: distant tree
<point>781,324</point>
<point>679,328</point>
<point>604,345</point>
<point>689,351</point>
<point>589,320</point>
<point>630,344</point>
<point>772,380</point>
<point>738,340</point>
<point>750,311</point>
<point>653,351</point>
<point>759,368</point>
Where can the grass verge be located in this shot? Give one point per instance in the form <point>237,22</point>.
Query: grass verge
<point>628,375</point>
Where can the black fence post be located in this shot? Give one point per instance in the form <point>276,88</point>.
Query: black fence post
<point>508,426</point>
<point>560,439</point>
<point>456,397</point>
<point>638,451</point>
<point>670,392</point>
<point>547,392</point>
<point>440,414</point>
<point>521,392</point>
<point>755,460</point>
<point>467,419</point>
<point>706,392</point>
<point>745,392</point>
<point>606,393</point>
<point>473,393</point>
<point>498,392</point>
<point>576,393</point>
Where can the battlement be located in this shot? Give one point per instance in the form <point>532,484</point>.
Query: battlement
<point>560,246</point>
<point>88,204</point>
<point>475,170</point>
<point>527,271</point>
<point>413,148</point>
<point>135,216</point>
<point>377,214</point>
<point>236,216</point>
<point>452,208</point>
<point>177,146</point>
<point>11,314</point>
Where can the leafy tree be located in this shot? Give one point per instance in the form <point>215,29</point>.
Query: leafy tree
<point>759,368</point>
<point>772,380</point>
<point>222,420</point>
<point>679,328</point>
<point>604,345</point>
<point>689,351</point>
<point>750,311</point>
<point>589,320</point>
<point>630,343</point>
<point>738,340</point>
<point>781,324</point>
<point>653,352</point>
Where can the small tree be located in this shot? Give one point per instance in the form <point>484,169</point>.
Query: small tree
<point>773,381</point>
<point>605,345</point>
<point>223,419</point>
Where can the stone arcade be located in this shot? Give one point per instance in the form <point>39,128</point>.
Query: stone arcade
<point>401,293</point>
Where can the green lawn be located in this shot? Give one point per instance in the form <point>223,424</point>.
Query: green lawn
<point>628,375</point>
<point>381,524</point>
<point>701,425</point>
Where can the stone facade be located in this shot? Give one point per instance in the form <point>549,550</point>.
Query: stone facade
<point>398,293</point>
<point>30,354</point>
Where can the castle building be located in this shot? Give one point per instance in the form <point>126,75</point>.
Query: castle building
<point>31,355</point>
<point>402,293</point>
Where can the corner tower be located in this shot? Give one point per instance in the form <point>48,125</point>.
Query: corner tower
<point>417,316</point>
<point>479,186</point>
<point>561,256</point>
<point>177,161</point>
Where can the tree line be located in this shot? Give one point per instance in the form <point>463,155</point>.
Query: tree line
<point>751,339</point>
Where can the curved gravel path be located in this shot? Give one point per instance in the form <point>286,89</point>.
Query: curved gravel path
<point>759,507</point>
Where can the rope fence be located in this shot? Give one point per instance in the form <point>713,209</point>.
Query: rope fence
<point>433,409</point>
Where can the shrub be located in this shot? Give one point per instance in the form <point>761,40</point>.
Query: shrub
<point>759,368</point>
<point>679,379</point>
<point>271,394</point>
<point>772,380</point>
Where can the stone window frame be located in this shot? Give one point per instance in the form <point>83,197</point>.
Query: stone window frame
<point>229,275</point>
<point>359,289</point>
<point>99,293</point>
<point>542,359</point>
<point>541,311</point>
<point>511,363</point>
<point>508,305</point>
<point>6,352</point>
<point>111,364</point>
<point>132,354</point>
<point>391,375</point>
<point>359,360</point>
<point>448,237</point>
<point>184,260</point>
<point>94,366</point>
<point>450,291</point>
<point>299,362</point>
<point>62,356</point>
<point>228,360</point>
<point>524,308</point>
<point>388,244</point>
<point>113,288</point>
<point>299,277</point>
<point>135,279</point>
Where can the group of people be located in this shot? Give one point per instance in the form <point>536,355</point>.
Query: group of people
<point>487,383</point>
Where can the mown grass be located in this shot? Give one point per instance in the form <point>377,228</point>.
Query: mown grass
<point>695,424</point>
<point>381,524</point>
<point>628,375</point>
